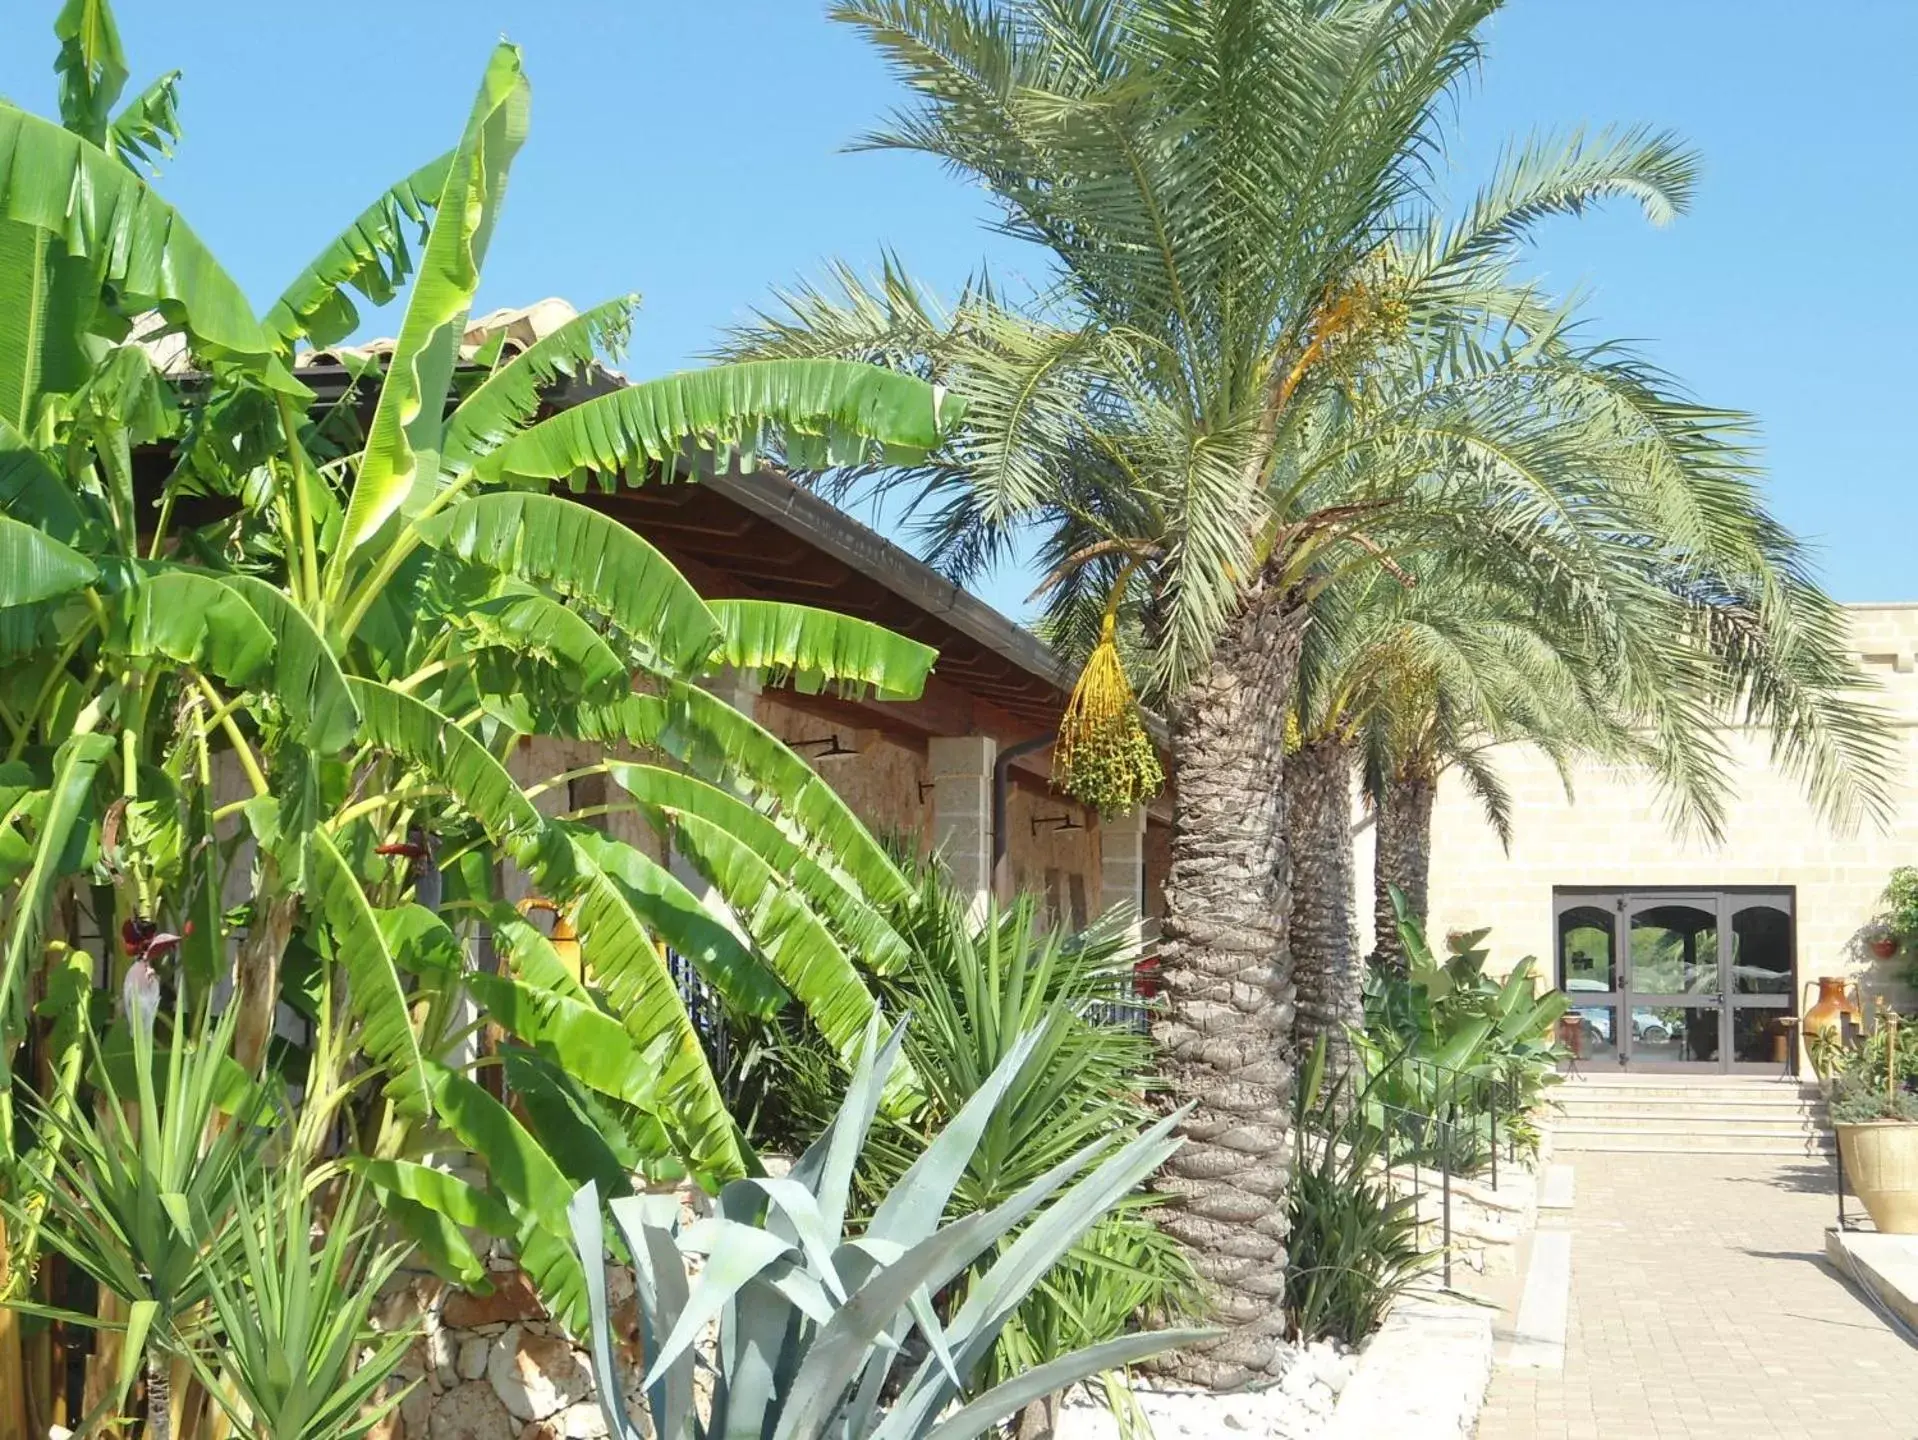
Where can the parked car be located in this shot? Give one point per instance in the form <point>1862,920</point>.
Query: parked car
<point>1647,1025</point>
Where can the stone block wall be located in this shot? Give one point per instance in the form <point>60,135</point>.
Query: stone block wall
<point>1615,831</point>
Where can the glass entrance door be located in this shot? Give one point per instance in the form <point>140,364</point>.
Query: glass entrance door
<point>1678,980</point>
<point>1674,982</point>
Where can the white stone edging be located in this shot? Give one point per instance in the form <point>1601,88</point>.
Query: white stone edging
<point>1422,1376</point>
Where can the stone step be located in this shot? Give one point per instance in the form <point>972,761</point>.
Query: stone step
<point>1681,1125</point>
<point>1717,1140</point>
<point>1743,1092</point>
<point>1705,1112</point>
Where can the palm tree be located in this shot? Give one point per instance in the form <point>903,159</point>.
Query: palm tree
<point>1409,673</point>
<point>1237,202</point>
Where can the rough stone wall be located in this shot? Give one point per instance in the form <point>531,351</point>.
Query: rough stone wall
<point>1059,865</point>
<point>1614,833</point>
<point>882,783</point>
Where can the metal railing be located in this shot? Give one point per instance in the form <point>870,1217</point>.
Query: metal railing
<point>1433,1140</point>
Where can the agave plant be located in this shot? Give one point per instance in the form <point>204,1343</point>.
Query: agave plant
<point>361,611</point>
<point>858,1336</point>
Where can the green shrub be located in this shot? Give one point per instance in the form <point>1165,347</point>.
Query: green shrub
<point>974,988</point>
<point>1456,1061</point>
<point>1353,1245</point>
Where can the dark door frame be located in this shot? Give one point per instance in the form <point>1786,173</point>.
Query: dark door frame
<point>1619,902</point>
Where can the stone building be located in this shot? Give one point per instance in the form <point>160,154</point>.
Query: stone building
<point>1707,948</point>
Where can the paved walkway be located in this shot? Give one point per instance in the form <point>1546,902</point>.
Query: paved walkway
<point>1701,1307</point>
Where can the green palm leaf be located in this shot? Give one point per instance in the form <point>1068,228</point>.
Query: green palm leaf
<point>376,995</point>
<point>35,567</point>
<point>798,948</point>
<point>628,964</point>
<point>684,924</point>
<point>370,255</point>
<point>74,768</point>
<point>833,410</point>
<point>834,894</point>
<point>716,741</point>
<point>101,212</point>
<point>587,1043</point>
<point>403,442</point>
<point>527,624</point>
<point>590,559</point>
<point>395,722</point>
<point>527,1177</point>
<point>32,492</point>
<point>811,649</point>
<point>510,397</point>
<point>307,680</point>
<point>193,618</point>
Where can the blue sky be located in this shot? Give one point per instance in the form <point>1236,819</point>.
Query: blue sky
<point>693,152</point>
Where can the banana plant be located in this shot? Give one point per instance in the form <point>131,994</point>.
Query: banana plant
<point>816,1326</point>
<point>253,641</point>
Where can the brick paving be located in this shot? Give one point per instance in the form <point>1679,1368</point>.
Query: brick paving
<point>1701,1307</point>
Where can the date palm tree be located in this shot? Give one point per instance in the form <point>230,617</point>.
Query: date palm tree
<point>1238,208</point>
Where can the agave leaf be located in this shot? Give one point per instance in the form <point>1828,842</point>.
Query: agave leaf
<point>839,1351</point>
<point>589,1237</point>
<point>827,1166</point>
<point>1005,1400</point>
<point>811,649</point>
<point>734,1254</point>
<point>647,1222</point>
<point>917,1200</point>
<point>403,440</point>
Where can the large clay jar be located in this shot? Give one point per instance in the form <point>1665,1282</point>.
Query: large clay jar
<point>1881,1166</point>
<point>1834,1007</point>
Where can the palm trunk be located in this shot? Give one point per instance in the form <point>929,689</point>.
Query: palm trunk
<point>1403,857</point>
<point>1324,934</point>
<point>159,1398</point>
<point>1225,1035</point>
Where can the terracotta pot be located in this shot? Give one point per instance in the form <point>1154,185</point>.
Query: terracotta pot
<point>1571,1034</point>
<point>1881,1166</point>
<point>1885,946</point>
<point>1833,1008</point>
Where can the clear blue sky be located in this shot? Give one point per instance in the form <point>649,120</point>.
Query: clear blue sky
<point>693,152</point>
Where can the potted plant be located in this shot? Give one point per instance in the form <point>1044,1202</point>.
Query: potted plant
<point>1880,939</point>
<point>1901,903</point>
<point>1876,1118</point>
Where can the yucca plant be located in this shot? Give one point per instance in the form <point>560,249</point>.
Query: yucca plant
<point>141,1191</point>
<point>821,1331</point>
<point>289,1350</point>
<point>363,613</point>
